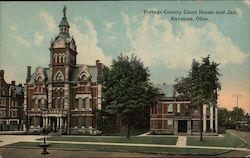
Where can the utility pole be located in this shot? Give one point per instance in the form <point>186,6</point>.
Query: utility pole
<point>237,96</point>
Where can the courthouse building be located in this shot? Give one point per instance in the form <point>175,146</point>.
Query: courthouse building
<point>63,96</point>
<point>174,115</point>
<point>11,105</point>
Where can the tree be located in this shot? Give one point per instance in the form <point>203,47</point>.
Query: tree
<point>127,89</point>
<point>200,85</point>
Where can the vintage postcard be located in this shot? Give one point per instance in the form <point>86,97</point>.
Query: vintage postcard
<point>125,79</point>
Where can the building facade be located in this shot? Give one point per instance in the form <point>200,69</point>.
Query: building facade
<point>174,115</point>
<point>63,97</point>
<point>11,105</point>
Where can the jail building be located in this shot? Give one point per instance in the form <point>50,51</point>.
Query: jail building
<point>175,115</point>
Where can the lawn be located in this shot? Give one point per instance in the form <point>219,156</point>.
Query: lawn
<point>137,140</point>
<point>228,141</point>
<point>166,150</point>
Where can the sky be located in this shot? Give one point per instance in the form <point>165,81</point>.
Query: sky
<point>103,30</point>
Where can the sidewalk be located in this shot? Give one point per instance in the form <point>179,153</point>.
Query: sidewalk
<point>181,141</point>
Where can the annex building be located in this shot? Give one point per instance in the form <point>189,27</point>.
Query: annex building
<point>63,97</point>
<point>174,115</point>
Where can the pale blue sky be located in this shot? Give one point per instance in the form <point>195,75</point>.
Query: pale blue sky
<point>103,30</point>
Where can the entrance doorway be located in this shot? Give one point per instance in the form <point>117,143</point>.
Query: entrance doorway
<point>53,124</point>
<point>182,126</point>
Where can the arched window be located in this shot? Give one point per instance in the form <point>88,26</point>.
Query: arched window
<point>63,58</point>
<point>39,78</point>
<point>59,58</point>
<point>55,58</point>
<point>83,77</point>
<point>59,76</point>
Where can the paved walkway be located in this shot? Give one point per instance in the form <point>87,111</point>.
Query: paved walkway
<point>181,141</point>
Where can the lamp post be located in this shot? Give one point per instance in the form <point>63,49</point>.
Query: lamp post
<point>44,145</point>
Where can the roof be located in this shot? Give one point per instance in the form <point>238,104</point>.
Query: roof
<point>166,89</point>
<point>64,22</point>
<point>17,89</point>
<point>91,69</point>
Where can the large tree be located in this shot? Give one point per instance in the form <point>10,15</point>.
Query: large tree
<point>200,85</point>
<point>127,89</point>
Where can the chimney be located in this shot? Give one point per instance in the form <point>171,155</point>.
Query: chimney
<point>2,72</point>
<point>28,73</point>
<point>13,83</point>
<point>20,85</point>
<point>99,69</point>
<point>97,62</point>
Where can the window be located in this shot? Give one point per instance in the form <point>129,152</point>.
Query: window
<point>87,122</point>
<point>58,103</point>
<point>195,124</point>
<point>55,58</point>
<point>178,108</point>
<point>80,103</point>
<point>39,78</point>
<point>159,109</point>
<point>39,103</point>
<point>165,124</point>
<point>59,76</point>
<point>170,124</point>
<point>79,124</point>
<point>86,101</point>
<point>170,108</point>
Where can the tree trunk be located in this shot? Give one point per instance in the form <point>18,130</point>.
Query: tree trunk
<point>201,122</point>
<point>128,131</point>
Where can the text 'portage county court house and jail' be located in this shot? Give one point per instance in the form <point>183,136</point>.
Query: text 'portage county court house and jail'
<point>63,97</point>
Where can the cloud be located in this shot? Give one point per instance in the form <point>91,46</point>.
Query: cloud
<point>78,18</point>
<point>22,41</point>
<point>50,21</point>
<point>38,38</point>
<point>13,27</point>
<point>87,44</point>
<point>109,25</point>
<point>154,40</point>
<point>247,2</point>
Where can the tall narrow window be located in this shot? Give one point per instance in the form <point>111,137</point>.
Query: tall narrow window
<point>80,103</point>
<point>178,108</point>
<point>87,103</point>
<point>170,123</point>
<point>170,108</point>
<point>79,124</point>
<point>87,122</point>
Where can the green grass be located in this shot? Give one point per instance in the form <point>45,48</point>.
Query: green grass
<point>167,150</point>
<point>228,141</point>
<point>124,133</point>
<point>136,140</point>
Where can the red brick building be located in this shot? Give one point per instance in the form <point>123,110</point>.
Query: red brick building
<point>174,115</point>
<point>63,96</point>
<point>11,105</point>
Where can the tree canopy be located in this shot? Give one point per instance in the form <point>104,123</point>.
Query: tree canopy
<point>201,85</point>
<point>127,89</point>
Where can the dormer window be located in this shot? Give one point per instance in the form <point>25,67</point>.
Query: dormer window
<point>39,78</point>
